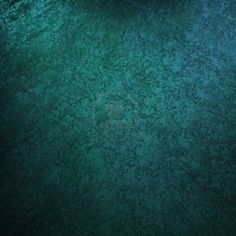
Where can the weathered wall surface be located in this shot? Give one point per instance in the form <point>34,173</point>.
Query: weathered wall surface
<point>118,117</point>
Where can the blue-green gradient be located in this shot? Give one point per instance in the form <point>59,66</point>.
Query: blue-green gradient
<point>118,118</point>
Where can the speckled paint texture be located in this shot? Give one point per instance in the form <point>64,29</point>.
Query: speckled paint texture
<point>118,117</point>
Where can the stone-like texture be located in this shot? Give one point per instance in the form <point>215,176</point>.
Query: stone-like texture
<point>118,117</point>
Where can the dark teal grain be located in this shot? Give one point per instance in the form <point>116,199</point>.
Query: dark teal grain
<point>118,117</point>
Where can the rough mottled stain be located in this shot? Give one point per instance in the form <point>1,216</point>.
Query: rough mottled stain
<point>118,117</point>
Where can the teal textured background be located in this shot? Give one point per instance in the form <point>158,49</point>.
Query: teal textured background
<point>118,117</point>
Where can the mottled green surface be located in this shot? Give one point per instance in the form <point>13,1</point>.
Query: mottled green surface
<point>118,117</point>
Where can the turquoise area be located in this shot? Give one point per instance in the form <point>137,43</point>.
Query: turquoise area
<point>117,117</point>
